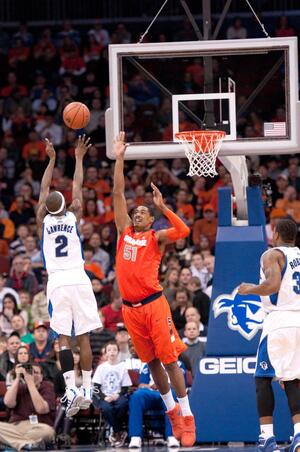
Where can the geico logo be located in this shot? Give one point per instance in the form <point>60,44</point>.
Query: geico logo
<point>210,366</point>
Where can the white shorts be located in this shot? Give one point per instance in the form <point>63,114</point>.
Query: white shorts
<point>73,306</point>
<point>279,354</point>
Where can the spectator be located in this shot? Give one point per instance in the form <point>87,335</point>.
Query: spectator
<point>170,284</point>
<point>21,213</point>
<point>181,302</point>
<point>122,339</point>
<point>20,278</point>
<point>290,204</point>
<point>22,357</point>
<point>113,313</point>
<point>90,265</point>
<point>99,255</point>
<point>192,315</point>
<point>275,216</point>
<point>7,290</point>
<point>100,296</point>
<point>18,325</point>
<point>3,344</point>
<point>200,300</point>
<point>92,181</point>
<point>100,34</point>
<point>236,31</point>
<point>209,262</point>
<point>33,253</point>
<point>206,226</point>
<point>34,149</point>
<point>91,214</point>
<point>7,358</point>
<point>27,178</point>
<point>133,362</point>
<point>9,309</point>
<point>39,308</point>
<point>282,183</point>
<point>24,34</point>
<point>49,129</point>
<point>33,397</point>
<point>25,306</point>
<point>112,381</point>
<point>293,174</point>
<point>284,29</point>
<point>41,347</point>
<point>146,398</point>
<point>196,348</point>
<point>184,277</point>
<point>86,233</point>
<point>183,251</point>
<point>123,36</point>
<point>199,270</point>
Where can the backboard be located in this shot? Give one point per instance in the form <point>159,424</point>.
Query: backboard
<point>248,88</point>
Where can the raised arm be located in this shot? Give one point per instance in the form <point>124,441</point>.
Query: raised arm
<point>81,149</point>
<point>273,262</point>
<point>122,218</point>
<point>45,186</point>
<point>179,229</point>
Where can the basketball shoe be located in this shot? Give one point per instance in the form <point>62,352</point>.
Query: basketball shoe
<point>267,445</point>
<point>74,399</point>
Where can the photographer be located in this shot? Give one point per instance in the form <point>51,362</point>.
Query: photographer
<point>32,405</point>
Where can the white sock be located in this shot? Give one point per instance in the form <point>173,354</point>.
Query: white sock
<point>296,428</point>
<point>70,379</point>
<point>168,400</point>
<point>185,406</point>
<point>266,431</point>
<point>86,378</point>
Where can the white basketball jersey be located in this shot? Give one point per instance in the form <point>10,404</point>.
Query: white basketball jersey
<point>61,244</point>
<point>288,297</point>
<point>62,252</point>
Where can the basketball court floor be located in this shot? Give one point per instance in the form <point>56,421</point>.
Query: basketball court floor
<point>151,448</point>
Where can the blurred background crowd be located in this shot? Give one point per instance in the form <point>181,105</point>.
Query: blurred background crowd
<point>41,71</point>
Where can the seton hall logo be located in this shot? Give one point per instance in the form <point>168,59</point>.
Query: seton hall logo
<point>244,312</point>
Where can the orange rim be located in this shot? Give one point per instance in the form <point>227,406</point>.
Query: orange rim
<point>191,134</point>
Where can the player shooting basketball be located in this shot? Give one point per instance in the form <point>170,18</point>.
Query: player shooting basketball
<point>146,311</point>
<point>72,303</point>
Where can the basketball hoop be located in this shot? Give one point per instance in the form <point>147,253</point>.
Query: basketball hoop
<point>202,148</point>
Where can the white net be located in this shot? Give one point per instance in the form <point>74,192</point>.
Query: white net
<point>201,149</point>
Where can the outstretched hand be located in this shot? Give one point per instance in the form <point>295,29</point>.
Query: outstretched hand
<point>83,145</point>
<point>50,151</point>
<point>119,145</point>
<point>157,197</point>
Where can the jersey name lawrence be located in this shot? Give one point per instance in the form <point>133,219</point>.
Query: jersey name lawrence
<point>288,297</point>
<point>137,264</point>
<point>61,244</point>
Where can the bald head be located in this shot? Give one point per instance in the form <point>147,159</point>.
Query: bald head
<point>55,203</point>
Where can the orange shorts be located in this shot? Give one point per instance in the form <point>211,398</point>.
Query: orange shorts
<point>153,332</point>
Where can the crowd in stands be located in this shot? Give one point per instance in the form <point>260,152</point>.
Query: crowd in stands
<point>39,75</point>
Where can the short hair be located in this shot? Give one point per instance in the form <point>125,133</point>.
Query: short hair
<point>195,280</point>
<point>287,230</point>
<point>111,343</point>
<point>88,247</point>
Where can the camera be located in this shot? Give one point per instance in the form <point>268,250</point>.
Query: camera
<point>28,367</point>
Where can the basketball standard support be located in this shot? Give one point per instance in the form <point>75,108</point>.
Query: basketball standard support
<point>223,392</point>
<point>237,167</point>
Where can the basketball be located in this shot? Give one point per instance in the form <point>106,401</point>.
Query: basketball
<point>76,115</point>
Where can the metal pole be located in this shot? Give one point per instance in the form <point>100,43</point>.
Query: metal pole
<point>209,116</point>
<point>221,19</point>
<point>191,19</point>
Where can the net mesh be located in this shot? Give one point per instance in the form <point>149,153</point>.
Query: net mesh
<point>201,149</point>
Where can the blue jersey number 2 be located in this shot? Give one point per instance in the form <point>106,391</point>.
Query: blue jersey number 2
<point>296,277</point>
<point>62,242</point>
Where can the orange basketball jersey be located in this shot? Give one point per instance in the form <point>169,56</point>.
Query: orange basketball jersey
<point>137,263</point>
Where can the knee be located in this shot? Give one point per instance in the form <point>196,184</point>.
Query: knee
<point>263,385</point>
<point>293,394</point>
<point>171,367</point>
